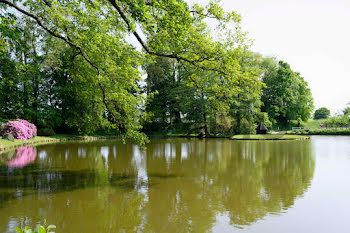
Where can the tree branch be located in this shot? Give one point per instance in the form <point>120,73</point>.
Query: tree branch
<point>204,15</point>
<point>149,51</point>
<point>68,41</point>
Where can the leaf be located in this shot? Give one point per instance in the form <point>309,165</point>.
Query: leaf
<point>18,230</point>
<point>41,229</point>
<point>51,227</point>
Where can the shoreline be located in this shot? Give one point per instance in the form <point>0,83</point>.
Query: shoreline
<point>40,140</point>
<point>270,137</point>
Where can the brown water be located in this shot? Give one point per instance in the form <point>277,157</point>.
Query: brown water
<point>179,185</point>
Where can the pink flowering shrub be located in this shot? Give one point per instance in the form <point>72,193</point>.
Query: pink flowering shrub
<point>24,156</point>
<point>20,129</point>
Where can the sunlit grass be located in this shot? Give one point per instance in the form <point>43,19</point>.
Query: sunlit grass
<point>269,137</point>
<point>7,143</point>
<point>314,123</point>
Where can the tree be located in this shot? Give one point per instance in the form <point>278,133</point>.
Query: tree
<point>346,111</point>
<point>95,33</point>
<point>246,107</point>
<point>164,84</point>
<point>322,113</point>
<point>286,95</point>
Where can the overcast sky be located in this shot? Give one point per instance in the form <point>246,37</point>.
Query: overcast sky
<point>313,36</point>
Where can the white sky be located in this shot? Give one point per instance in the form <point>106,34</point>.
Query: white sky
<point>313,36</point>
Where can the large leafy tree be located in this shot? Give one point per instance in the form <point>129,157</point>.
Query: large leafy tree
<point>96,33</point>
<point>286,95</point>
<point>165,88</point>
<point>189,99</point>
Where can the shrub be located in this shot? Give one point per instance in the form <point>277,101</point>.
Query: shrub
<point>20,129</point>
<point>330,132</point>
<point>46,132</point>
<point>338,121</point>
<point>296,123</point>
<point>9,137</point>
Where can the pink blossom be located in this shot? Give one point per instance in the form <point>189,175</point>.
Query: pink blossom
<point>20,129</point>
<point>24,156</point>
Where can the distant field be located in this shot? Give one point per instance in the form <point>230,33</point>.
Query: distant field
<point>269,137</point>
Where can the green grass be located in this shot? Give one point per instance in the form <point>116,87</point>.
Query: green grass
<point>313,123</point>
<point>269,137</point>
<point>7,143</point>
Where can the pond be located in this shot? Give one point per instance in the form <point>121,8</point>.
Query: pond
<point>179,185</point>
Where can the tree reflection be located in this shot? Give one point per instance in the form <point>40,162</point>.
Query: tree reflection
<point>247,180</point>
<point>177,185</point>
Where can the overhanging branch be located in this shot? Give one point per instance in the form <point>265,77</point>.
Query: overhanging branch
<point>149,51</point>
<point>68,41</point>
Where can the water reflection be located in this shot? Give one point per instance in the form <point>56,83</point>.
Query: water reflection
<point>24,156</point>
<point>175,185</point>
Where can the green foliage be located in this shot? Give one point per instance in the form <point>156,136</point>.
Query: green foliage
<point>346,111</point>
<point>40,229</point>
<point>186,98</point>
<point>263,117</point>
<point>77,72</point>
<point>166,88</point>
<point>328,132</point>
<point>322,113</point>
<point>338,121</point>
<point>314,123</point>
<point>9,137</point>
<point>295,123</point>
<point>286,95</point>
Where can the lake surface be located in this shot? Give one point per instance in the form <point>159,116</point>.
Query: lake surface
<point>179,185</point>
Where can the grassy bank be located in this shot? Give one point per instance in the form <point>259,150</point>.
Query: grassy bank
<point>8,145</point>
<point>269,137</point>
<point>322,132</point>
<point>313,123</point>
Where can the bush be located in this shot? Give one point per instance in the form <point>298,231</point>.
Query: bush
<point>20,129</point>
<point>247,127</point>
<point>338,121</point>
<point>46,132</point>
<point>9,137</point>
<point>296,123</point>
<point>330,132</point>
